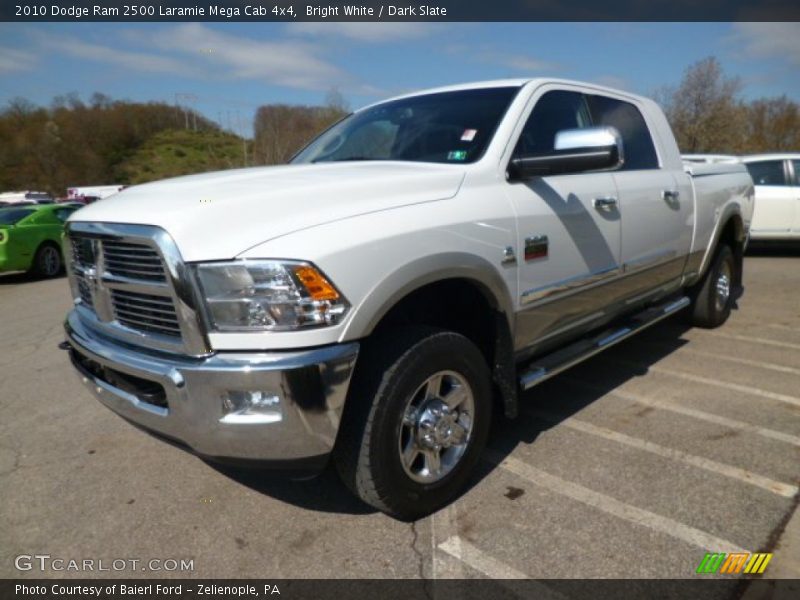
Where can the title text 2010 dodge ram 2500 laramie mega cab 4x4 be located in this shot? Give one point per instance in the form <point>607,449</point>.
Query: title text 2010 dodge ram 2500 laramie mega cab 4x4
<point>409,272</point>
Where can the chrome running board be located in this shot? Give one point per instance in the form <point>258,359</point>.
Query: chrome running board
<point>552,364</point>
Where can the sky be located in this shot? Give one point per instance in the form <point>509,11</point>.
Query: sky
<point>229,69</point>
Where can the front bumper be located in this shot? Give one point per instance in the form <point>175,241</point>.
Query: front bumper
<point>180,398</point>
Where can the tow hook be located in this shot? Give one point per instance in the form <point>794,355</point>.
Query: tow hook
<point>65,345</point>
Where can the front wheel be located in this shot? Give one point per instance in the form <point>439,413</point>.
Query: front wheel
<point>416,422</point>
<point>47,262</point>
<point>713,300</point>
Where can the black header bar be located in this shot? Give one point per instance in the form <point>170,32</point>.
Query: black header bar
<point>396,10</point>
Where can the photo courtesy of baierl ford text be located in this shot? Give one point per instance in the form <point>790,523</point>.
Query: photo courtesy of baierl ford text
<point>333,301</point>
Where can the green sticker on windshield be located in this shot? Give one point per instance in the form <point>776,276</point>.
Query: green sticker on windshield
<point>457,155</point>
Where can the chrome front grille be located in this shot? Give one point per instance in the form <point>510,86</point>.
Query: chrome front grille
<point>145,312</point>
<point>82,251</point>
<point>135,261</point>
<point>130,282</point>
<point>85,292</point>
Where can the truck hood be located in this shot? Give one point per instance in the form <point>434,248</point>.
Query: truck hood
<point>220,215</point>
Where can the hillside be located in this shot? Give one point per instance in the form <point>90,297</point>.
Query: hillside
<point>181,152</point>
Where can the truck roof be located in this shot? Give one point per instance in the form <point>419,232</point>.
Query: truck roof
<point>516,82</point>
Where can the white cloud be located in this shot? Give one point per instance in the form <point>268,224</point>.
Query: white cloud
<point>768,40</point>
<point>516,64</point>
<point>12,60</point>
<point>372,32</point>
<point>138,61</point>
<point>289,63</point>
<point>527,64</point>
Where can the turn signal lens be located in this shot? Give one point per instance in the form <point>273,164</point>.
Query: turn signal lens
<point>316,285</point>
<point>269,295</point>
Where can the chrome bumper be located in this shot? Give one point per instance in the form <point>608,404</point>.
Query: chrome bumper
<point>311,386</point>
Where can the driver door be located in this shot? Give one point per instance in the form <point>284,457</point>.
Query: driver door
<point>568,232</point>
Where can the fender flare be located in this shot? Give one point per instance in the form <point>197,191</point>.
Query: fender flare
<point>440,267</point>
<point>731,211</point>
<point>390,290</point>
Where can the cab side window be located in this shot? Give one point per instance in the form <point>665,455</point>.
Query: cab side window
<point>637,144</point>
<point>767,172</point>
<point>554,112</point>
<point>796,165</point>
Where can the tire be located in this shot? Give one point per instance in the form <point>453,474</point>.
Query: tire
<point>391,408</point>
<point>713,299</point>
<point>48,262</point>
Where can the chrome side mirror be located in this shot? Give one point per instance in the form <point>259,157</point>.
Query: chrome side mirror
<point>575,151</point>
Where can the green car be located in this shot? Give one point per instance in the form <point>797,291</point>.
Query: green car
<point>30,238</point>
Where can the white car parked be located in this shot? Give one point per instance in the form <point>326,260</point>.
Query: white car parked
<point>777,183</point>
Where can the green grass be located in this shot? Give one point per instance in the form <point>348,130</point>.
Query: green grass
<point>182,152</point>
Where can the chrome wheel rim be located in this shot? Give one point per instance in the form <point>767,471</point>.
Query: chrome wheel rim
<point>723,286</point>
<point>437,427</point>
<point>50,261</point>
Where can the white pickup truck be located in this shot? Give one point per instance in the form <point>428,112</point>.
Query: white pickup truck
<point>411,271</point>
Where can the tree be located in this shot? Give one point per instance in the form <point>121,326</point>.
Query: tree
<point>281,130</point>
<point>705,111</point>
<point>74,143</point>
<point>772,125</point>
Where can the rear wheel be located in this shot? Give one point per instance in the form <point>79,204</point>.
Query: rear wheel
<point>416,421</point>
<point>47,262</point>
<point>713,299</point>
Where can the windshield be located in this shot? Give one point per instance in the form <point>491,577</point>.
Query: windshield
<point>448,127</point>
<point>10,216</point>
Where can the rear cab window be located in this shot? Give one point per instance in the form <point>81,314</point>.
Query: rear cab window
<point>637,143</point>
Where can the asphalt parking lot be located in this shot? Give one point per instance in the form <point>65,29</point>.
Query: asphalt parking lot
<point>634,464</point>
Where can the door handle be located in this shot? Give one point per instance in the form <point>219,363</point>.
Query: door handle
<point>605,202</point>
<point>670,195</point>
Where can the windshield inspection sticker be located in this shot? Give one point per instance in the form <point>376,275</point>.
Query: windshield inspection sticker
<point>469,135</point>
<point>457,155</point>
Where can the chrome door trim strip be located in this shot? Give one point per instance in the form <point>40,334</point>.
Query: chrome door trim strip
<point>649,260</point>
<point>671,285</point>
<point>561,330</point>
<point>570,285</point>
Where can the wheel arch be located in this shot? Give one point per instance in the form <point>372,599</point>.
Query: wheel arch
<point>731,230</point>
<point>454,291</point>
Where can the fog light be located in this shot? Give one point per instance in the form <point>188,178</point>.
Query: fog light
<point>251,406</point>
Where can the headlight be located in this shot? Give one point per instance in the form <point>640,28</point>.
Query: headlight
<point>268,295</point>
